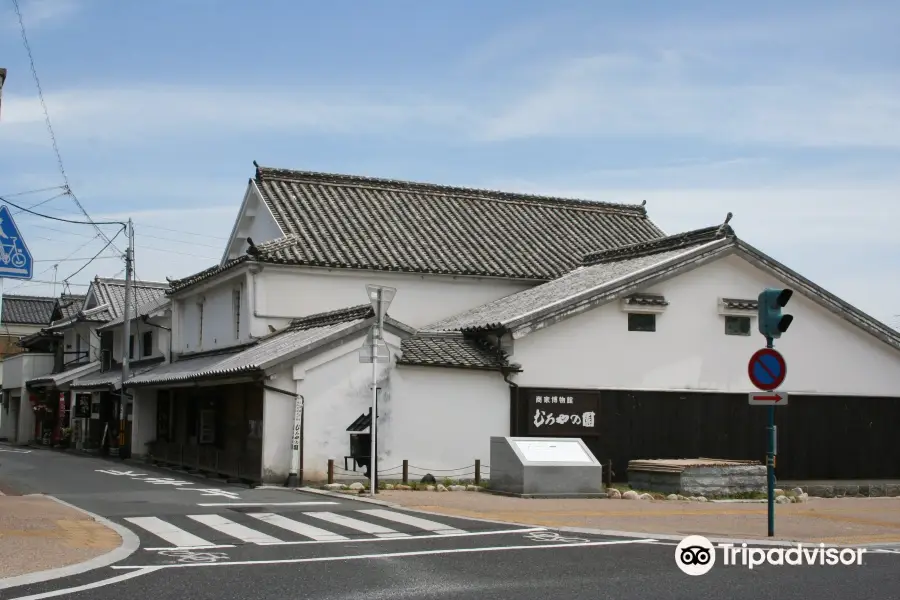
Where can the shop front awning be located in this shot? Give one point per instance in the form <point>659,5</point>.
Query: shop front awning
<point>63,377</point>
<point>301,337</point>
<point>104,381</point>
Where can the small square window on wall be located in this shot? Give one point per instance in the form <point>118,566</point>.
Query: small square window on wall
<point>737,325</point>
<point>641,322</point>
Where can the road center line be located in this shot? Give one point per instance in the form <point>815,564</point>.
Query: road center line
<point>266,503</point>
<point>386,555</point>
<point>91,586</point>
<point>15,451</point>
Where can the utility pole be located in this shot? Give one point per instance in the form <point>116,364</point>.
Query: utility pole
<point>126,332</point>
<point>2,81</point>
<point>375,350</point>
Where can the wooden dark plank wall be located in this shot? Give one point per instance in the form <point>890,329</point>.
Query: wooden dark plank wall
<point>819,437</point>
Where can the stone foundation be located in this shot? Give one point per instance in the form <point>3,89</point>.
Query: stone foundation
<point>698,477</point>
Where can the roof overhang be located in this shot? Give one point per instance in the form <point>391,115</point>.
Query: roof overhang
<point>62,378</point>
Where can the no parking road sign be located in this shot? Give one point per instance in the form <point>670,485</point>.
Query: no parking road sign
<point>767,369</point>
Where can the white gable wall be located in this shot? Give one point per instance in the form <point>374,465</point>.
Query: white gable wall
<point>89,341</point>
<point>254,221</point>
<point>690,351</point>
<point>442,419</point>
<point>420,299</point>
<point>276,294</point>
<point>336,389</point>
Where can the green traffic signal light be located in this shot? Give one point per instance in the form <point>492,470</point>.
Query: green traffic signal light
<point>772,323</point>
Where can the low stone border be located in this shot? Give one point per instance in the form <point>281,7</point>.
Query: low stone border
<point>357,487</point>
<point>853,491</point>
<point>795,495</point>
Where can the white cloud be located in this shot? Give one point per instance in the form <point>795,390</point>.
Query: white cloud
<point>36,13</point>
<point>153,112</point>
<point>629,95</point>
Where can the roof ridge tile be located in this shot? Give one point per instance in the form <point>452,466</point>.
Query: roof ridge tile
<point>666,244</point>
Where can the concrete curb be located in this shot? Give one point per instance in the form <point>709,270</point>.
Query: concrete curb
<point>663,537</point>
<point>130,543</point>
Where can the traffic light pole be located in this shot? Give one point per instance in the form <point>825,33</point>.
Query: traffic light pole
<point>770,458</point>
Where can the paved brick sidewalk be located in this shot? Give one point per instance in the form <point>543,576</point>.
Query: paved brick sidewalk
<point>832,521</point>
<point>37,533</point>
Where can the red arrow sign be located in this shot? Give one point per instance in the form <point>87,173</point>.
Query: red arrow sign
<point>769,398</point>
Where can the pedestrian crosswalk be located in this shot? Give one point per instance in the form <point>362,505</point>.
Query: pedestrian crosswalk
<point>268,529</point>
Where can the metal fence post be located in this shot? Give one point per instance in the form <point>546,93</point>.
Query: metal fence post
<point>330,470</point>
<point>405,472</point>
<point>477,471</point>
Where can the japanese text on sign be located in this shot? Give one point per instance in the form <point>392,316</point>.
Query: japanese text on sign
<point>553,399</point>
<point>544,418</point>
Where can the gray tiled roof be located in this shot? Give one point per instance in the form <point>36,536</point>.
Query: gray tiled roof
<point>451,350</point>
<point>64,377</point>
<point>147,308</point>
<point>646,300</point>
<point>739,304</point>
<point>27,310</point>
<point>109,297</point>
<point>69,305</point>
<point>585,280</point>
<point>381,224</point>
<point>112,293</point>
<point>113,377</point>
<point>300,336</point>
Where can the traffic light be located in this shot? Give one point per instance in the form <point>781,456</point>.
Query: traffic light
<point>771,322</point>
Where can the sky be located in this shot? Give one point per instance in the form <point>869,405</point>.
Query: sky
<point>786,114</point>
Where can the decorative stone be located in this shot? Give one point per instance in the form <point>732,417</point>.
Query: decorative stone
<point>876,491</point>
<point>672,497</point>
<point>403,487</point>
<point>804,497</point>
<point>473,488</point>
<point>797,491</point>
<point>441,487</point>
<point>645,497</point>
<point>782,500</point>
<point>613,493</point>
<point>389,486</point>
<point>779,492</point>
<point>429,488</point>
<point>357,486</point>
<point>630,495</point>
<point>457,488</point>
<point>702,499</point>
<point>892,490</point>
<point>335,486</point>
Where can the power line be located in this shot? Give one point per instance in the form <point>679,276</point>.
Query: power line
<point>26,192</point>
<point>42,202</point>
<point>59,260</point>
<point>59,160</point>
<point>108,244</point>
<point>94,223</point>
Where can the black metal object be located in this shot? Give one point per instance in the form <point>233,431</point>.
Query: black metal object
<point>634,425</point>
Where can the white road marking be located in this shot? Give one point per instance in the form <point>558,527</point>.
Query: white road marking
<point>391,539</point>
<point>90,586</point>
<point>406,519</point>
<point>236,530</point>
<point>15,451</point>
<point>391,555</point>
<point>266,503</point>
<point>170,533</point>
<point>376,530</point>
<point>210,547</point>
<point>297,527</point>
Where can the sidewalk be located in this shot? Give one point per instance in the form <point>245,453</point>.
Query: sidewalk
<point>37,533</point>
<point>830,521</point>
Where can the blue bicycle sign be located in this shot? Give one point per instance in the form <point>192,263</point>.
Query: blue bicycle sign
<point>15,258</point>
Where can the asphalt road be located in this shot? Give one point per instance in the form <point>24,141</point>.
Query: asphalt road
<point>200,539</point>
